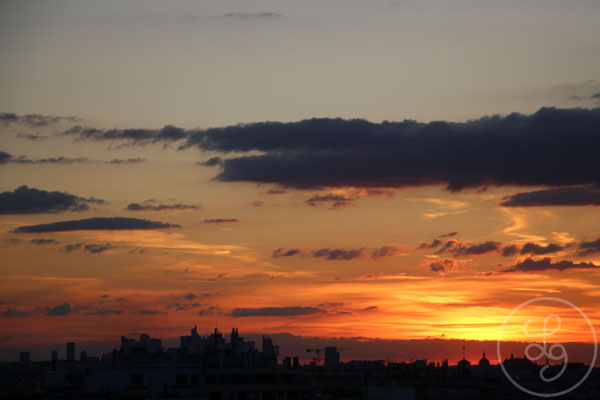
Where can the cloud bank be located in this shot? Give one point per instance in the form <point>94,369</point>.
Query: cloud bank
<point>98,223</point>
<point>512,150</point>
<point>25,200</point>
<point>274,311</point>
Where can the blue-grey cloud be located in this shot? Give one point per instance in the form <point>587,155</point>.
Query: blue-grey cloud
<point>140,136</point>
<point>9,158</point>
<point>63,309</point>
<point>32,137</point>
<point>512,150</point>
<point>510,250</point>
<point>538,250</point>
<point>461,249</point>
<point>211,162</point>
<point>151,312</point>
<point>545,264</point>
<point>4,157</point>
<point>564,196</point>
<point>591,247</point>
<point>434,243</point>
<point>281,252</point>
<point>275,311</point>
<point>221,221</point>
<point>98,223</point>
<point>42,241</point>
<point>105,312</point>
<point>14,313</point>
<point>160,207</point>
<point>25,200</point>
<point>341,254</point>
<point>450,234</point>
<point>92,248</point>
<point>212,310</point>
<point>34,120</point>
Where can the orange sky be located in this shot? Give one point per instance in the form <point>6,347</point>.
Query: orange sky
<point>164,281</point>
<point>395,194</point>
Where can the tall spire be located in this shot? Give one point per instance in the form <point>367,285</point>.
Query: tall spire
<point>464,346</point>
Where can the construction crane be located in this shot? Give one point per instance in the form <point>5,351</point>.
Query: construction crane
<point>317,352</point>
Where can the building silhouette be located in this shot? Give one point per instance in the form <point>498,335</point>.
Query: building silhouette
<point>215,367</point>
<point>70,351</point>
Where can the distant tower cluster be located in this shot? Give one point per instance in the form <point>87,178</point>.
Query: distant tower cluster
<point>268,348</point>
<point>24,357</point>
<point>70,351</point>
<point>332,356</point>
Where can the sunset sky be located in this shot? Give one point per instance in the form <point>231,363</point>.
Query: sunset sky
<point>373,170</point>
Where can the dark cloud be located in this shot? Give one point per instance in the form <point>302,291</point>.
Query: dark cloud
<point>275,191</point>
<point>25,200</point>
<point>586,248</point>
<point>281,252</point>
<point>337,201</point>
<point>50,160</point>
<point>221,221</point>
<point>531,265</point>
<point>98,223</point>
<point>449,234</point>
<point>481,248</point>
<point>259,15</point>
<point>461,249</point>
<point>119,161</point>
<point>105,296</point>
<point>4,157</point>
<point>150,312</point>
<point>183,306</point>
<point>340,254</point>
<point>449,245</point>
<point>512,150</point>
<point>212,310</point>
<point>14,313</point>
<point>565,196</point>
<point>30,136</point>
<point>327,197</point>
<point>167,134</point>
<point>105,312</point>
<point>160,207</point>
<point>34,120</point>
<point>211,162</point>
<point>7,157</point>
<point>510,250</point>
<point>274,311</point>
<point>5,338</point>
<point>536,249</point>
<point>370,308</point>
<point>92,248</point>
<point>595,96</point>
<point>13,241</point>
<point>346,254</point>
<point>441,265</point>
<point>386,251</point>
<point>435,243</point>
<point>63,309</point>
<point>43,241</point>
